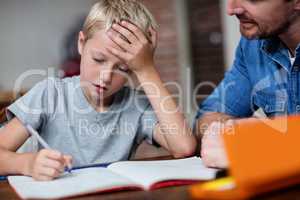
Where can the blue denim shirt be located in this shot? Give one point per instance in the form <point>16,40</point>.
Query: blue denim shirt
<point>262,76</point>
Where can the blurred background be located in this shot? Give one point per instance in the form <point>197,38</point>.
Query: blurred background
<point>197,41</point>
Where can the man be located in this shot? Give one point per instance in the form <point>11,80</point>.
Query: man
<point>265,73</point>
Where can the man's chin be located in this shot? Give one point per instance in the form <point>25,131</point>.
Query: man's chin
<point>254,33</point>
<point>251,35</point>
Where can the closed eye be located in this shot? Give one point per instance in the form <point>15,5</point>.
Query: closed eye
<point>253,1</point>
<point>99,60</point>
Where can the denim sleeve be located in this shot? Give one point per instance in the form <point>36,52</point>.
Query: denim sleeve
<point>233,94</point>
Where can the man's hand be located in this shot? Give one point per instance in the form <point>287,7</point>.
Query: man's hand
<point>212,146</point>
<point>212,151</point>
<point>136,50</point>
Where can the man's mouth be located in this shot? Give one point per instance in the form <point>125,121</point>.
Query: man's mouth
<point>245,20</point>
<point>247,23</point>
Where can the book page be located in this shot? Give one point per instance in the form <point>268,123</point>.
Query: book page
<point>149,172</point>
<point>78,182</point>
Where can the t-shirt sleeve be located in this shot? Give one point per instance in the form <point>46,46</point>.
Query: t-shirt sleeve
<point>35,106</point>
<point>147,123</point>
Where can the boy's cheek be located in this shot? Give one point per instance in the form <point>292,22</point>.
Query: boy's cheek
<point>118,81</point>
<point>89,70</point>
<point>88,77</point>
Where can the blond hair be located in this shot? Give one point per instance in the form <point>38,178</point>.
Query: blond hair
<point>106,12</point>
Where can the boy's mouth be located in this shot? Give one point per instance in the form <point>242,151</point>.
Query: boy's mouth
<point>100,88</point>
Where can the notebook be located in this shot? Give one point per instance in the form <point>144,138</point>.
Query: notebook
<point>125,175</point>
<point>263,156</point>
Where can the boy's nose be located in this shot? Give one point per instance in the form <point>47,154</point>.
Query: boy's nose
<point>106,76</point>
<point>234,7</point>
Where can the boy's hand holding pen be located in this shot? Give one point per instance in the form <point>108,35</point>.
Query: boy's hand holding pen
<point>47,164</point>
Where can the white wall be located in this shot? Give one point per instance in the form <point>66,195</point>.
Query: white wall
<point>32,31</point>
<point>185,58</point>
<point>31,35</point>
<point>231,35</point>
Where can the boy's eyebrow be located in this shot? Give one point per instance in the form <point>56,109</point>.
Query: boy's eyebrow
<point>98,53</point>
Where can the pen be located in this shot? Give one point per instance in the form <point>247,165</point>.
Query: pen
<point>42,141</point>
<point>103,165</point>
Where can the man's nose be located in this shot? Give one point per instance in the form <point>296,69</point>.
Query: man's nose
<point>234,7</point>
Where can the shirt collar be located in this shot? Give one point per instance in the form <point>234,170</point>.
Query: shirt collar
<point>277,51</point>
<point>274,44</point>
<point>297,56</point>
<point>298,51</point>
<point>270,45</point>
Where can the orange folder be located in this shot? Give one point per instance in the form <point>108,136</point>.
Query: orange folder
<point>263,156</point>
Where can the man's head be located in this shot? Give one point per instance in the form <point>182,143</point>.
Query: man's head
<point>264,18</point>
<point>104,74</point>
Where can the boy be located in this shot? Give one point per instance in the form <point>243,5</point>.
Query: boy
<point>94,118</point>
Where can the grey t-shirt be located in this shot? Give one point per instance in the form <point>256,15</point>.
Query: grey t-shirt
<point>59,111</point>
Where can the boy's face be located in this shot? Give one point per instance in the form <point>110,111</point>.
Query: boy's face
<point>101,73</point>
<point>262,18</point>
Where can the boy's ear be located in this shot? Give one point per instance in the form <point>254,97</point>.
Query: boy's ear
<point>81,42</point>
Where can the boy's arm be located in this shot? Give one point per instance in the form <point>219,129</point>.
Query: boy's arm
<point>43,166</point>
<point>172,132</point>
<point>12,136</point>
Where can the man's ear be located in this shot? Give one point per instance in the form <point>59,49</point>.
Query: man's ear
<point>81,42</point>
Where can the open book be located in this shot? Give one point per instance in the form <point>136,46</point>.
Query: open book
<point>125,175</point>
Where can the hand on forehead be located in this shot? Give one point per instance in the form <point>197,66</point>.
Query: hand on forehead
<point>107,42</point>
<point>103,42</point>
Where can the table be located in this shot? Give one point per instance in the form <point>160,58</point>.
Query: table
<point>171,193</point>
